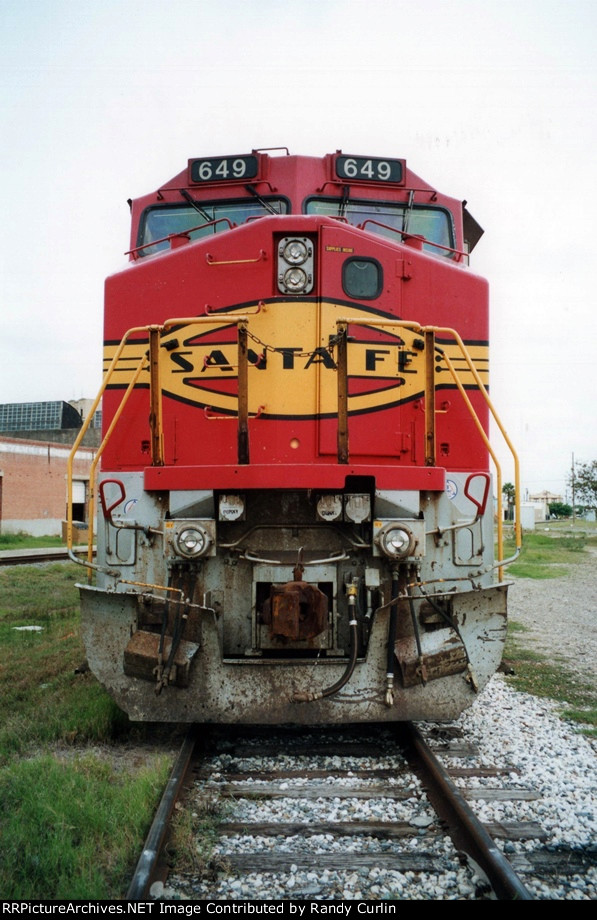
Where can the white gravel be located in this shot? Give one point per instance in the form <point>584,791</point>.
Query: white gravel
<point>515,730</point>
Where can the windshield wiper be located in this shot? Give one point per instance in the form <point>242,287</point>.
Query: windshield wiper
<point>408,211</point>
<point>344,201</point>
<point>194,204</point>
<point>262,201</point>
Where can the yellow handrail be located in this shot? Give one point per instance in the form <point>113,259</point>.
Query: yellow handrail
<point>71,457</point>
<point>444,330</point>
<point>482,389</point>
<point>142,365</point>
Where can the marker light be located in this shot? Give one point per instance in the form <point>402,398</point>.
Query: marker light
<point>329,507</point>
<point>357,508</point>
<point>232,508</point>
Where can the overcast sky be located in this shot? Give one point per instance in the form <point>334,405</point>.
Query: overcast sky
<point>492,102</point>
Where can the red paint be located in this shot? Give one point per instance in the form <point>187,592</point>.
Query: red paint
<point>236,269</point>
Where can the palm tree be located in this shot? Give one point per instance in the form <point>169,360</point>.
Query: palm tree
<point>509,492</point>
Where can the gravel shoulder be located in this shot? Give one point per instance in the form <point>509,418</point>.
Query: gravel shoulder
<point>559,616</point>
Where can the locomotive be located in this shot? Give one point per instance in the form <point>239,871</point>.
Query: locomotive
<point>295,509</point>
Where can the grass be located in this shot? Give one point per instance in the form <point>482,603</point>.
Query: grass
<point>70,829</point>
<point>71,823</point>
<point>193,836</point>
<point>548,553</point>
<point>37,667</point>
<point>24,541</point>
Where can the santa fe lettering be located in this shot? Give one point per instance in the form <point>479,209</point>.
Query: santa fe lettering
<point>217,359</point>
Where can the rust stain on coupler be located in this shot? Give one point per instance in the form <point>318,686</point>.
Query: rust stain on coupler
<point>297,611</point>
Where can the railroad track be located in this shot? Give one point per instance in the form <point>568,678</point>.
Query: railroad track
<point>372,802</point>
<point>32,556</point>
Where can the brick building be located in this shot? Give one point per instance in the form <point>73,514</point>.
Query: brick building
<point>33,468</point>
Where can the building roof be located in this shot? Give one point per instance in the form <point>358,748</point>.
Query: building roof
<point>38,416</point>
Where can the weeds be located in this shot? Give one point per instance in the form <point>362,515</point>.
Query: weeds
<point>194,834</point>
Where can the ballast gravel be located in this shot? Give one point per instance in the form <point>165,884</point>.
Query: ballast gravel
<point>524,733</point>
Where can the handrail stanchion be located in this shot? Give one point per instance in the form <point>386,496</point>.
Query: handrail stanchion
<point>342,392</point>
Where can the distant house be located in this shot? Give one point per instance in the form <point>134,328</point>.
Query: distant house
<point>546,497</point>
<point>35,442</point>
<point>541,502</point>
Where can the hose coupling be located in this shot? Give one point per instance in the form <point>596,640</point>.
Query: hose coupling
<point>389,690</point>
<point>303,696</point>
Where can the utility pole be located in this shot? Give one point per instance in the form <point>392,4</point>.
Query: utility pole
<point>572,483</point>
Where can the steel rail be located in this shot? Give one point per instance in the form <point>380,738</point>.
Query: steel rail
<point>31,556</point>
<point>469,834</point>
<point>148,861</point>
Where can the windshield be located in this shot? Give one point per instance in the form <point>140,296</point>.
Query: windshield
<point>163,221</point>
<point>432,223</point>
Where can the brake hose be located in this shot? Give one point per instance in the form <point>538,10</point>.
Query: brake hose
<point>304,696</point>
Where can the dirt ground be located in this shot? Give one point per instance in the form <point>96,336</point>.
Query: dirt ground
<point>560,615</point>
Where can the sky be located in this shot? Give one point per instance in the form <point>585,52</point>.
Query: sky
<point>492,102</point>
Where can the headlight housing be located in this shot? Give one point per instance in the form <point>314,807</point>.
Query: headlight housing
<point>295,252</point>
<point>396,542</point>
<point>400,540</point>
<point>295,265</point>
<point>192,542</point>
<point>191,539</point>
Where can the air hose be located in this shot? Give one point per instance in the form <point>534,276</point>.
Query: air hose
<point>304,696</point>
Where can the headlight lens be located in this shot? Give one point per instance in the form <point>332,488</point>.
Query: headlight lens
<point>295,279</point>
<point>295,252</point>
<point>192,542</point>
<point>396,542</point>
